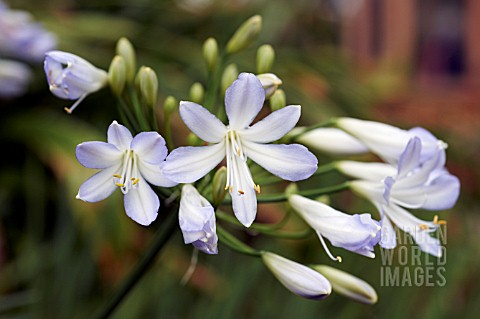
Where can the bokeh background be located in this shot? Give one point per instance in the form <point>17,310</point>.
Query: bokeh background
<point>408,63</point>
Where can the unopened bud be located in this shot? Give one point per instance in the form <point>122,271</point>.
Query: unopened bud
<point>278,100</point>
<point>218,185</point>
<point>270,83</point>
<point>229,75</point>
<point>245,34</point>
<point>348,285</point>
<point>265,58</point>
<point>170,104</point>
<point>291,189</point>
<point>197,93</point>
<point>193,140</point>
<point>210,52</point>
<point>127,52</point>
<point>148,84</point>
<point>117,75</point>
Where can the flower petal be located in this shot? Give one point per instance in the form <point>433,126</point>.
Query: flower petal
<point>410,158</point>
<point>150,147</point>
<point>201,122</point>
<point>274,126</point>
<point>188,164</point>
<point>153,173</point>
<point>291,162</point>
<point>442,193</point>
<point>98,154</point>
<point>99,186</point>
<point>243,100</point>
<point>245,206</point>
<point>119,136</point>
<point>374,172</point>
<point>388,236</point>
<point>332,140</point>
<point>142,204</point>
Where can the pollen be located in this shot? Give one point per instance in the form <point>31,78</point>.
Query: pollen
<point>241,192</point>
<point>135,181</point>
<point>117,175</point>
<point>423,227</point>
<point>257,188</point>
<point>120,184</point>
<point>339,259</point>
<point>437,221</point>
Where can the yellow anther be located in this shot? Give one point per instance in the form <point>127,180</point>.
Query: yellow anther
<point>120,184</point>
<point>227,187</point>
<point>135,181</point>
<point>339,259</point>
<point>442,222</point>
<point>257,188</point>
<point>241,192</point>
<point>132,179</point>
<point>238,152</point>
<point>117,175</point>
<point>437,221</point>
<point>423,227</point>
<point>67,110</point>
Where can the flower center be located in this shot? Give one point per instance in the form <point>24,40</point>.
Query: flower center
<point>128,178</point>
<point>239,177</point>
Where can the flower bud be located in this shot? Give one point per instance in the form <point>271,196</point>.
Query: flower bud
<point>127,52</point>
<point>270,83</point>
<point>218,185</point>
<point>278,100</point>
<point>245,34</point>
<point>170,104</point>
<point>197,93</point>
<point>229,75</point>
<point>210,52</point>
<point>265,58</point>
<point>117,75</point>
<point>291,189</point>
<point>148,83</point>
<point>299,279</point>
<point>348,285</point>
<point>333,141</point>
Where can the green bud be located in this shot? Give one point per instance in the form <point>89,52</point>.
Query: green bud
<point>270,83</point>
<point>245,34</point>
<point>218,185</point>
<point>291,189</point>
<point>210,52</point>
<point>323,199</point>
<point>127,52</point>
<point>170,104</point>
<point>197,93</point>
<point>193,140</point>
<point>348,285</point>
<point>265,58</point>
<point>148,83</point>
<point>117,74</point>
<point>229,75</point>
<point>278,100</point>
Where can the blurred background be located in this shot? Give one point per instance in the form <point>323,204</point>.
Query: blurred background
<point>407,63</point>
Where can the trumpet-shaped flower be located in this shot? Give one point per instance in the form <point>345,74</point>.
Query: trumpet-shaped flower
<point>299,279</point>
<point>239,141</point>
<point>357,233</point>
<point>197,220</point>
<point>71,77</point>
<point>127,163</point>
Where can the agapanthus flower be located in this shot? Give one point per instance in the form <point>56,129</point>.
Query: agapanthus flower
<point>299,279</point>
<point>197,220</point>
<point>357,233</point>
<point>14,78</point>
<point>128,163</point>
<point>239,141</point>
<point>71,77</point>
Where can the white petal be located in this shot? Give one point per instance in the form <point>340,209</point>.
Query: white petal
<point>389,238</point>
<point>274,126</point>
<point>410,158</point>
<point>442,193</point>
<point>243,100</point>
<point>142,204</point>
<point>153,173</point>
<point>119,136</point>
<point>291,162</point>
<point>150,147</point>
<point>374,172</point>
<point>98,154</point>
<point>332,140</point>
<point>188,164</point>
<point>201,122</point>
<point>245,206</point>
<point>99,186</point>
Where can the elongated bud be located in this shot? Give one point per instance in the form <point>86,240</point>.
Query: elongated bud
<point>170,104</point>
<point>245,35</point>
<point>127,52</point>
<point>229,75</point>
<point>117,75</point>
<point>148,84</point>
<point>333,141</point>
<point>210,52</point>
<point>299,279</point>
<point>291,189</point>
<point>197,93</point>
<point>348,285</point>
<point>278,100</point>
<point>193,140</point>
<point>270,83</point>
<point>218,185</point>
<point>265,58</point>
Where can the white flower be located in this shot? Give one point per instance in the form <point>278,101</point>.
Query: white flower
<point>127,163</point>
<point>197,220</point>
<point>270,83</point>
<point>239,141</point>
<point>299,279</point>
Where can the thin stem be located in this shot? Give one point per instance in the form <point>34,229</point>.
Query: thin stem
<point>168,131</point>
<point>272,179</point>
<point>126,110</point>
<point>138,110</point>
<point>255,226</point>
<point>235,244</point>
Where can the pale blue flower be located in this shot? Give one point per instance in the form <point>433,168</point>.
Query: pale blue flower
<point>239,141</point>
<point>14,78</point>
<point>357,233</point>
<point>71,77</point>
<point>128,163</point>
<point>197,220</point>
<point>299,279</point>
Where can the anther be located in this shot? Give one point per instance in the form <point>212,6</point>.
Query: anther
<point>241,192</point>
<point>117,175</point>
<point>423,227</point>
<point>339,259</point>
<point>120,184</point>
<point>256,188</point>
<point>135,181</point>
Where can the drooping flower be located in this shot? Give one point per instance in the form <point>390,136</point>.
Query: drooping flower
<point>239,141</point>
<point>357,233</point>
<point>299,279</point>
<point>71,77</point>
<point>197,220</point>
<point>14,78</point>
<point>128,163</point>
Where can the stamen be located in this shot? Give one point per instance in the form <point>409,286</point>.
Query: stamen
<point>257,188</point>
<point>135,181</point>
<point>423,227</point>
<point>120,184</point>
<point>70,110</point>
<point>338,258</point>
<point>241,192</point>
<point>117,175</point>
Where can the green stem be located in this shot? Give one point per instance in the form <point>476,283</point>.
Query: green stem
<point>168,131</point>
<point>255,226</point>
<point>272,179</point>
<point>235,244</point>
<point>126,110</point>
<point>160,239</point>
<point>138,110</point>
